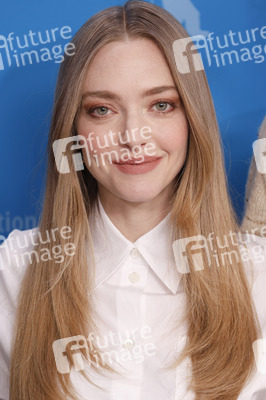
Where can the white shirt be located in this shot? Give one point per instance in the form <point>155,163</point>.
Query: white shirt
<point>138,299</point>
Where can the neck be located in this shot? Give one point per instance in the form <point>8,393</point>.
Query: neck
<point>133,220</point>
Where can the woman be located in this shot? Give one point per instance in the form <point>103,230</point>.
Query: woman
<point>117,317</point>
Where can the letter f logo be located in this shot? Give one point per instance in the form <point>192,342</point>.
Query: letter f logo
<point>72,346</point>
<point>3,45</point>
<point>186,53</point>
<point>68,151</point>
<point>191,252</point>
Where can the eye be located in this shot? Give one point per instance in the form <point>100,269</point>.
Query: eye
<point>164,106</point>
<point>161,106</point>
<point>99,111</point>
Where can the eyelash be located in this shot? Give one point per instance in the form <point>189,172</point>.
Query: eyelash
<point>171,103</point>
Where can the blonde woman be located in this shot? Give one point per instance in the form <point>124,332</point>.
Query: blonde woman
<point>104,300</point>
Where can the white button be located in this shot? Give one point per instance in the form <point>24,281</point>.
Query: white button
<point>128,344</point>
<point>133,277</point>
<point>134,253</point>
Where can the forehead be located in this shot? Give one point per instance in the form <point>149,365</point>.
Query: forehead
<point>128,60</point>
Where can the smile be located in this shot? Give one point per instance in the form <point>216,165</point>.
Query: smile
<point>131,167</point>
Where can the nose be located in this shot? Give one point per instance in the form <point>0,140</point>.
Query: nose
<point>134,131</point>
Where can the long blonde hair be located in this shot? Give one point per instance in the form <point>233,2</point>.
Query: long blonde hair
<point>54,302</point>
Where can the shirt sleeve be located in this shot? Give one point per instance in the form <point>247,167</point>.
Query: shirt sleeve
<point>11,273</point>
<point>254,258</point>
<point>4,370</point>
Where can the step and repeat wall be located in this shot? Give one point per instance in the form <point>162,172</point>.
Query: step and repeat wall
<point>33,39</point>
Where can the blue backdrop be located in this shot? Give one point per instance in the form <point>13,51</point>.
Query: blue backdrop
<point>235,68</point>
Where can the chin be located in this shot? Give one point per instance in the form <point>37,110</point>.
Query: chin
<point>135,196</point>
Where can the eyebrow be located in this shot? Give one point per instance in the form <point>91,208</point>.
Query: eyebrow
<point>112,96</point>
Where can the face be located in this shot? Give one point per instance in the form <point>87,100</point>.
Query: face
<point>132,119</point>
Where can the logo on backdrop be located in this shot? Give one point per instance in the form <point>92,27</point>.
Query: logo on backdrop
<point>35,47</point>
<point>187,14</point>
<point>220,50</point>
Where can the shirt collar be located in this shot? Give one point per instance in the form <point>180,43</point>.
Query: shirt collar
<point>111,249</point>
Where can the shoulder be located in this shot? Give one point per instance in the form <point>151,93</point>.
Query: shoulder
<point>253,254</point>
<point>14,259</point>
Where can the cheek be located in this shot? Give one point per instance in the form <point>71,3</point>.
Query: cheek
<point>174,136</point>
<point>94,135</point>
<point>83,128</point>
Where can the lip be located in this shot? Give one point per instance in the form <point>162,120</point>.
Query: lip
<point>133,168</point>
